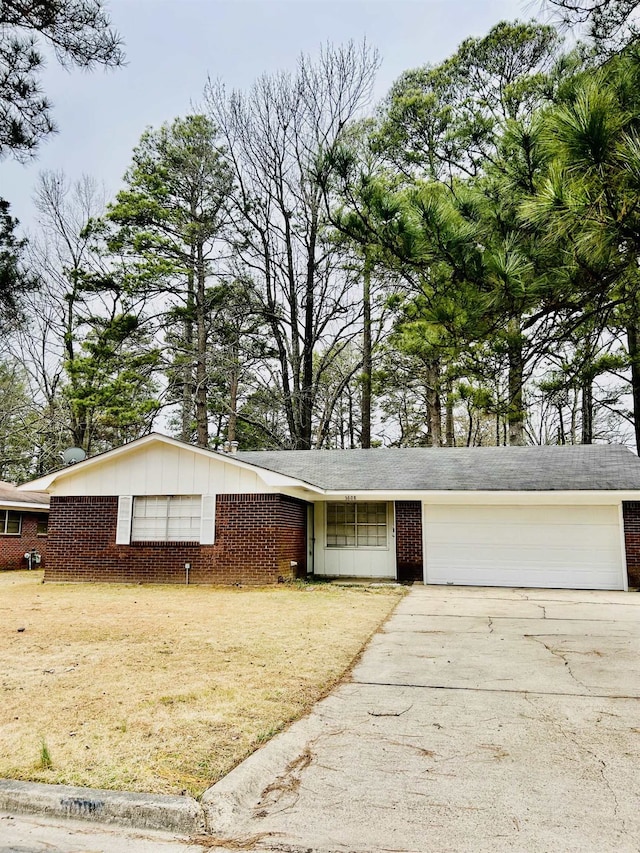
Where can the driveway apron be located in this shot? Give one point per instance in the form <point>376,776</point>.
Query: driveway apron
<point>476,720</point>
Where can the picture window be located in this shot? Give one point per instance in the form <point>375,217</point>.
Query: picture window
<point>165,518</point>
<point>356,525</point>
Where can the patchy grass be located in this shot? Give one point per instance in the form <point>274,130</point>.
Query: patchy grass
<point>164,688</point>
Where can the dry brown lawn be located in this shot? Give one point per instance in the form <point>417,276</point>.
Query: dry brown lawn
<point>164,688</point>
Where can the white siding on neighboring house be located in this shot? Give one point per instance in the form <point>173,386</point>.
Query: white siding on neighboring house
<point>555,547</point>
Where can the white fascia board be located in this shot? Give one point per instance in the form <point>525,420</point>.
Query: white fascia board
<point>463,496</point>
<point>271,478</point>
<point>303,491</point>
<point>40,485</point>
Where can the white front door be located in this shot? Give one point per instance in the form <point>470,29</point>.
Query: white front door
<point>570,547</point>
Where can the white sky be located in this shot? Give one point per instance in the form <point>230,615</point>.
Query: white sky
<point>173,45</point>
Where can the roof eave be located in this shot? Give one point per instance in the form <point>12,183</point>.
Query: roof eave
<point>23,505</point>
<point>489,495</point>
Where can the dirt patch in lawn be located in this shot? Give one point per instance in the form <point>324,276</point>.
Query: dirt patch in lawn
<point>164,688</point>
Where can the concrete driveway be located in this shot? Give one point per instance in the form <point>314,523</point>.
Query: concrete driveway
<point>477,720</point>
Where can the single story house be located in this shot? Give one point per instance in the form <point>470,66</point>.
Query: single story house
<point>23,525</point>
<point>160,510</point>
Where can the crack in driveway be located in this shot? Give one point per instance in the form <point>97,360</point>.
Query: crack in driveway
<point>422,759</point>
<point>519,691</point>
<point>562,656</point>
<point>572,737</point>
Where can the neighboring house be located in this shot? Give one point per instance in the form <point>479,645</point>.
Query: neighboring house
<point>159,510</point>
<point>23,525</point>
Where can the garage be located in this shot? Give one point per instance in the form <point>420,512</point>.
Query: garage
<point>544,546</point>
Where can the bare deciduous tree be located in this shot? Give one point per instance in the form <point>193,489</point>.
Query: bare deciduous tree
<point>277,138</point>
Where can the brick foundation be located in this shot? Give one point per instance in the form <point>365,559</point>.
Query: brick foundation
<point>409,540</point>
<point>631,515</point>
<point>13,548</point>
<point>257,538</point>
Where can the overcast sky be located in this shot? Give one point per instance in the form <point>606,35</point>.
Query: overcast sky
<point>173,45</point>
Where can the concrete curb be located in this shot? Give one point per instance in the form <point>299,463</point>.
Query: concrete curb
<point>231,802</point>
<point>182,815</point>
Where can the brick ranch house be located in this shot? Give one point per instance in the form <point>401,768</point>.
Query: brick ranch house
<point>159,510</point>
<point>23,525</point>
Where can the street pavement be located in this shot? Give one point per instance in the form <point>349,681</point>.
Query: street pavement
<point>35,834</point>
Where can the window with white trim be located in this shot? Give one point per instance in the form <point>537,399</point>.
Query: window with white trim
<point>166,518</point>
<point>356,525</point>
<point>10,522</point>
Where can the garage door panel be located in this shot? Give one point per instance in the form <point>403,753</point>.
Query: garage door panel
<point>598,536</point>
<point>529,515</point>
<point>516,575</point>
<point>561,579</point>
<point>540,546</point>
<point>523,555</point>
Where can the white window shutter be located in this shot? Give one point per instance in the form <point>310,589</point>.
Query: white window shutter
<point>123,530</point>
<point>208,520</point>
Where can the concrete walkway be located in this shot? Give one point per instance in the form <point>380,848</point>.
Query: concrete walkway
<point>477,720</point>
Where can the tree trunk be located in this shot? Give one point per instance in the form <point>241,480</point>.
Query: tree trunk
<point>306,389</point>
<point>587,411</point>
<point>562,436</point>
<point>352,439</point>
<point>288,369</point>
<point>434,405</point>
<point>187,368</point>
<point>233,406</point>
<point>574,419</point>
<point>202,415</point>
<point>77,409</point>
<point>634,358</point>
<point>365,438</point>
<point>450,433</point>
<point>515,411</point>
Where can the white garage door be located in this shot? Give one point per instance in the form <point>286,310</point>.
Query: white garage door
<point>570,547</point>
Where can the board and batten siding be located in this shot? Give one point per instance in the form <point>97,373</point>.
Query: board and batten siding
<point>162,470</point>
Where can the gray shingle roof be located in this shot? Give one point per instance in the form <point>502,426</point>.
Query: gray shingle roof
<point>9,492</point>
<point>567,468</point>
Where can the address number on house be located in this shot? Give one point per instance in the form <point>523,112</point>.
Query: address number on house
<point>351,498</point>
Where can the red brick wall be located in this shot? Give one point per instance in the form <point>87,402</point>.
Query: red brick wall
<point>13,548</point>
<point>255,536</point>
<point>631,515</point>
<point>292,538</point>
<point>409,540</point>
